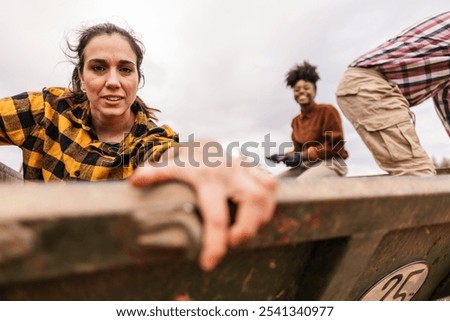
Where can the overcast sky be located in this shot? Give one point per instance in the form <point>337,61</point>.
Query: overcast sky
<point>216,67</point>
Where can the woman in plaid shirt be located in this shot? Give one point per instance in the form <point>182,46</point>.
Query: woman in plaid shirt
<point>100,130</point>
<point>378,89</point>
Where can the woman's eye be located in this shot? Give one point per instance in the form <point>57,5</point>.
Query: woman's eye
<point>98,68</point>
<point>126,70</point>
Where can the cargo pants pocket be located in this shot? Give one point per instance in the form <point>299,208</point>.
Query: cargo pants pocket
<point>395,143</point>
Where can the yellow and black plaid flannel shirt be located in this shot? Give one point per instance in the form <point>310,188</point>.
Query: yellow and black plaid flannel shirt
<point>58,143</point>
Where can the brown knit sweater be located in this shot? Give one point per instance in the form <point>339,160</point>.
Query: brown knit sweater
<point>318,134</point>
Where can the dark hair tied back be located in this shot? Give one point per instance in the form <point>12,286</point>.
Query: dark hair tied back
<point>76,55</point>
<point>85,35</point>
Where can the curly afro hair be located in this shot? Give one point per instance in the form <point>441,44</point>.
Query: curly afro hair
<point>305,72</point>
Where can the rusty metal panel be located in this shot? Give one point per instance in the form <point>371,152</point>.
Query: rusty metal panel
<point>335,240</point>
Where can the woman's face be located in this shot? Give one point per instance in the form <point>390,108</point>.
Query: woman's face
<point>110,75</point>
<point>304,92</point>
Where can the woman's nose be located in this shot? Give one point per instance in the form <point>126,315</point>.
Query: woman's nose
<point>112,80</point>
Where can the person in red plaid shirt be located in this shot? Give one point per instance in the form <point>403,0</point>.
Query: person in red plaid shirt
<point>378,89</point>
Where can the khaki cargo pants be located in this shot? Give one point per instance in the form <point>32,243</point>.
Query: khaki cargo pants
<point>381,116</point>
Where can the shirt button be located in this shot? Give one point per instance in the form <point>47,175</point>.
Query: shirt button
<point>77,173</point>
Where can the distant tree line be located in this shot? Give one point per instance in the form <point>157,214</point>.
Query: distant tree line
<point>443,163</point>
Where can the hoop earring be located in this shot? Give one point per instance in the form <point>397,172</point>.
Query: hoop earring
<point>142,81</point>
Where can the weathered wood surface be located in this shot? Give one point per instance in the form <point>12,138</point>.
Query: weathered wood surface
<point>330,239</point>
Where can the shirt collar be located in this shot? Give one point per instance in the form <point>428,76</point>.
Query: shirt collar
<point>308,113</point>
<point>79,113</point>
